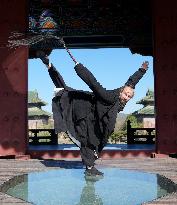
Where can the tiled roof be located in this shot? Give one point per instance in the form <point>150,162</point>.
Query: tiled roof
<point>148,99</point>
<point>34,111</point>
<point>148,110</point>
<point>33,98</point>
<point>148,102</point>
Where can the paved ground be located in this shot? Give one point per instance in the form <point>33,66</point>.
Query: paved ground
<point>10,168</point>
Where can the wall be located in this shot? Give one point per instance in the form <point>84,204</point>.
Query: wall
<point>13,80</point>
<point>165,71</point>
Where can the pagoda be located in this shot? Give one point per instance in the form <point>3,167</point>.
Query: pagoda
<point>37,118</point>
<point>146,115</point>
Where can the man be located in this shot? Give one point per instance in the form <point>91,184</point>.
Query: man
<point>88,117</point>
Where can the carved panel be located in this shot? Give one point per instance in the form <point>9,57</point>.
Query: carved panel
<point>127,20</point>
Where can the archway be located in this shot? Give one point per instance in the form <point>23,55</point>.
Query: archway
<point>13,136</point>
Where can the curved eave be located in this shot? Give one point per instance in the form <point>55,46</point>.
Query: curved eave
<point>38,112</point>
<point>40,103</point>
<point>148,110</point>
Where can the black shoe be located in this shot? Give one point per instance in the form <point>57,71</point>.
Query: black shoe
<point>45,60</point>
<point>93,172</point>
<point>41,54</point>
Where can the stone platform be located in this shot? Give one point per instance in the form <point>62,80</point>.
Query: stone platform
<point>163,166</point>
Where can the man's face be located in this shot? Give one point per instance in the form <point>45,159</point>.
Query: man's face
<point>126,94</point>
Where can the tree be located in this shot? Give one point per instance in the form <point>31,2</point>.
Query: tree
<point>118,137</point>
<point>121,135</point>
<point>134,122</point>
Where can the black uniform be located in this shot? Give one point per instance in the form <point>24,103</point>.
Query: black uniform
<point>88,116</point>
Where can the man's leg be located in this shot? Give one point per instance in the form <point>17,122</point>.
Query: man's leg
<point>73,139</point>
<point>87,156</point>
<point>87,150</point>
<point>54,74</point>
<point>88,159</point>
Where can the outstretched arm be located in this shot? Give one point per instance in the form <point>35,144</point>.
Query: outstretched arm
<point>93,84</point>
<point>134,79</point>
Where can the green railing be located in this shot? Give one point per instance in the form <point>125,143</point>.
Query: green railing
<point>42,137</point>
<point>140,135</point>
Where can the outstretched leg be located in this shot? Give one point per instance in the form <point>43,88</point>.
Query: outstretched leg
<point>54,74</point>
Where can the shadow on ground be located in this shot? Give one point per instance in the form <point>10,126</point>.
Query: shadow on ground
<point>63,164</point>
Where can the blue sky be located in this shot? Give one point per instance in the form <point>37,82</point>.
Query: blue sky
<point>111,67</point>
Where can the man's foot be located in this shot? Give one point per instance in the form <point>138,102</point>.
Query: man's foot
<point>41,54</point>
<point>93,172</point>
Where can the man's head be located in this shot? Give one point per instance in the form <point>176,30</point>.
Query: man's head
<point>126,93</point>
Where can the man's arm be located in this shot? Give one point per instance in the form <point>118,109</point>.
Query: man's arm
<point>93,84</point>
<point>134,79</point>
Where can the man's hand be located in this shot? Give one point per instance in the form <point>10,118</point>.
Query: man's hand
<point>145,65</point>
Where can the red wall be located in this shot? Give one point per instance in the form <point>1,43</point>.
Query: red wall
<point>13,80</point>
<point>165,64</point>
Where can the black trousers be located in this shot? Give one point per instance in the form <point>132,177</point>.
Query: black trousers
<point>87,155</point>
<point>82,126</point>
<point>88,147</point>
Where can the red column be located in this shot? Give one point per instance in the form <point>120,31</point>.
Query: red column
<point>165,71</point>
<point>13,80</point>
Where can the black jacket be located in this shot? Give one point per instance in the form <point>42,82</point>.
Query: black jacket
<point>98,108</point>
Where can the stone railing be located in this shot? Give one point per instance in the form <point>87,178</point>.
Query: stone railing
<point>42,137</point>
<point>140,135</point>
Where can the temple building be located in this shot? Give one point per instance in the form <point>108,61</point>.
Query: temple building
<point>146,115</point>
<point>145,27</point>
<point>37,118</point>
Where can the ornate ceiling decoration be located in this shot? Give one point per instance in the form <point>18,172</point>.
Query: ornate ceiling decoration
<point>98,23</point>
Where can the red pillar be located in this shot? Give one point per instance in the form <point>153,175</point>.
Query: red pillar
<point>13,80</point>
<point>165,71</point>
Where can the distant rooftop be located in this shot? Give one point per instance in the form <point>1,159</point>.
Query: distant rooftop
<point>33,98</point>
<point>34,105</point>
<point>34,111</point>
<point>148,110</point>
<point>148,99</point>
<point>148,103</point>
